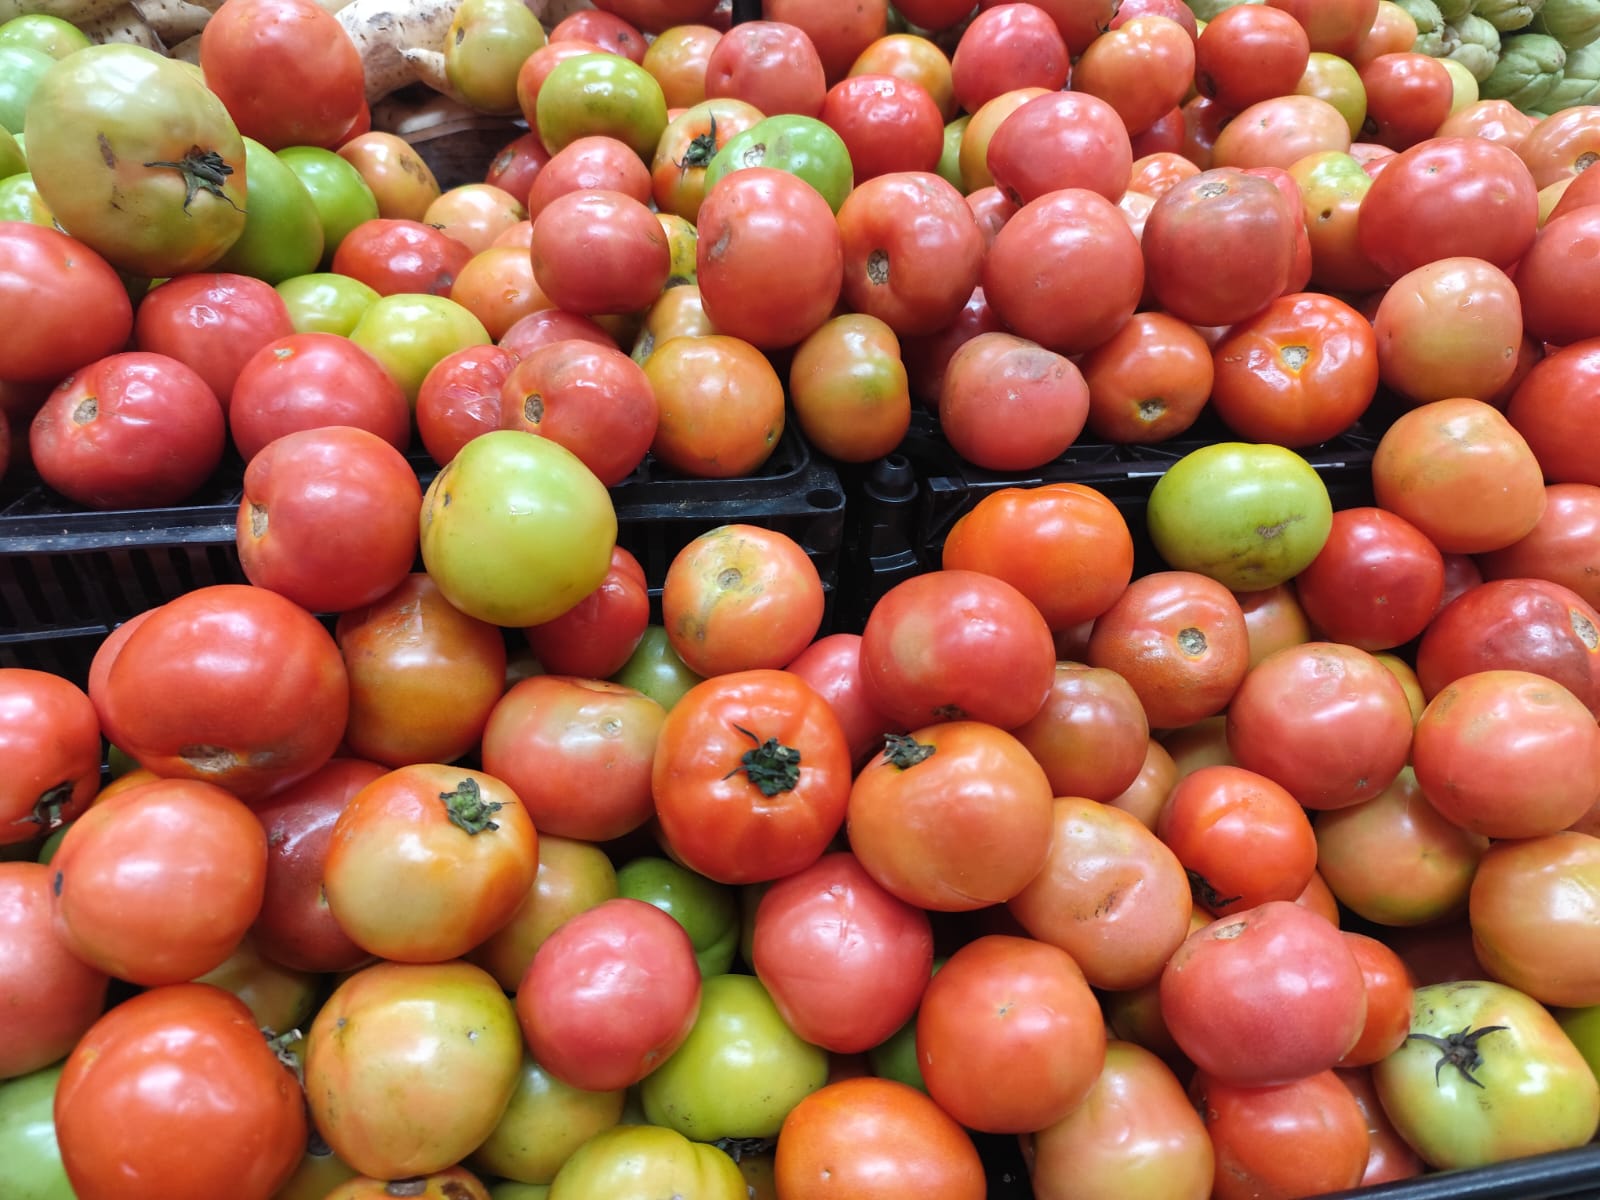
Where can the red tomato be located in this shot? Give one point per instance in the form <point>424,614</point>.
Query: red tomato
<point>769,64</point>
<point>1508,754</point>
<point>1143,69</point>
<point>50,742</point>
<point>1551,410</point>
<point>1009,404</point>
<point>1279,132</point>
<point>1389,1159</point>
<point>1376,582</point>
<point>1149,381</point>
<point>720,402</point>
<point>1006,47</point>
<point>751,776</point>
<point>587,164</point>
<point>599,634</point>
<point>1335,26</point>
<point>1144,797</point>
<point>1242,57</point>
<point>1431,346</point>
<point>67,305</point>
<point>1265,997</point>
<point>952,817</point>
<point>517,164</point>
<point>1564,547</point>
<point>401,256</point>
<point>886,124</point>
<point>460,397</point>
<point>1243,838</point>
<point>181,1065</point>
<point>125,874</point>
<point>832,666</point>
<point>1408,95</point>
<point>1009,1037</point>
<point>597,252</point>
<point>1296,1138</point>
<point>318,86</point>
<point>1562,145</point>
<point>1327,721</point>
<point>310,380</point>
<point>329,518</point>
<point>51,996</point>
<point>229,684</point>
<point>546,325</point>
<point>459,839</point>
<point>1061,140</point>
<point>844,960</point>
<point>928,358</point>
<point>610,995</point>
<point>213,323</point>
<point>602,28</point>
<point>1533,918</point>
<point>1065,271</point>
<point>132,430</point>
<point>1090,736</point>
<point>423,675</point>
<point>294,926</point>
<point>1389,986</point>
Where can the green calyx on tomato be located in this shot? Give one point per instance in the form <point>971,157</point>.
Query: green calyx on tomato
<point>468,809</point>
<point>1458,1050</point>
<point>902,750</point>
<point>771,766</point>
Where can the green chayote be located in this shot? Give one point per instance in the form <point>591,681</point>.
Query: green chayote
<point>1474,43</point>
<point>1580,80</point>
<point>1430,26</point>
<point>1573,23</point>
<point>1507,15</point>
<point>1530,66</point>
<point>1454,10</point>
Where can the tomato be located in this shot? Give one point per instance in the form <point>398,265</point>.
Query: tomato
<point>1149,381</point>
<point>832,666</point>
<point>595,638</point>
<point>770,64</point>
<point>1005,47</point>
<point>1560,547</point>
<point>1432,346</point>
<point>339,194</point>
<point>677,312</point>
<point>1219,820</point>
<point>1375,584</point>
<point>688,146</point>
<point>655,669</point>
<point>545,1123</point>
<point>875,1139</point>
<point>1009,404</point>
<point>593,400</point>
<point>69,306</point>
<point>598,252</point>
<point>1142,67</point>
<point>253,693</point>
<point>708,912</point>
<point>600,94</point>
<point>1065,271</point>
<point>1245,56</point>
<point>294,926</point>
<point>1530,919</point>
<point>401,256</point>
<point>1009,1037</point>
<point>516,530</point>
<point>1536,770</point>
<point>1333,187</point>
<point>50,739</point>
<point>53,996</point>
<point>1326,721</point>
<point>1090,736</point>
<point>1549,406</point>
<point>927,358</point>
<point>400,179</point>
<point>123,119</point>
<point>131,430</point>
<point>28,1132</point>
<point>1459,472</point>
<point>751,776</point>
<point>594,163</point>
<point>1486,1075</point>
<point>738,1073</point>
<point>636,1162</point>
<point>325,303</point>
<point>754,217</point>
<point>1264,997</point>
<point>305,381</point>
<point>926,817</point>
<point>1389,986</point>
<point>887,124</point>
<point>572,877</point>
<point>849,389</point>
<point>1296,1138</point>
<point>463,842</point>
<point>408,1068</point>
<point>409,332</point>
<point>1180,640</point>
<point>178,1061</point>
<point>677,58</point>
<point>212,323</point>
<point>996,666</point>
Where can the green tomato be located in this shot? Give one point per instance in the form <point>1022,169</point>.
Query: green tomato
<point>949,168</point>
<point>51,844</point>
<point>896,1056</point>
<point>319,1172</point>
<point>655,669</point>
<point>708,911</point>
<point>484,49</point>
<point>740,1070</point>
<point>1249,516</point>
<point>282,236</point>
<point>21,68</point>
<point>43,32</point>
<point>516,530</point>
<point>1486,1075</point>
<point>545,1122</point>
<point>641,1162</point>
<point>12,160</point>
<point>507,1190</point>
<point>601,94</point>
<point>32,1169</point>
<point>338,193</point>
<point>801,146</point>
<point>409,332</point>
<point>1582,1025</point>
<point>20,201</point>
<point>326,303</point>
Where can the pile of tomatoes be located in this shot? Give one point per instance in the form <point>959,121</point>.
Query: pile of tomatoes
<point>496,878</point>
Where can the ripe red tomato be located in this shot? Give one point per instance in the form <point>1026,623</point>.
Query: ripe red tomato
<point>1142,68</point>
<point>461,842</point>
<point>1389,986</point>
<point>603,28</point>
<point>1376,583</point>
<point>951,817</point>
<point>68,304</point>
<point>1265,997</point>
<point>832,666</point>
<point>401,256</point>
<point>311,380</point>
<point>51,996</point>
<point>1431,346</point>
<point>1408,95</point>
<point>50,742</point>
<point>460,395</point>
<point>887,124</point>
<point>844,960</point>
<point>1296,1138</point>
<point>1009,1037</point>
<point>1005,47</point>
<point>228,684</point>
<point>1149,381</point>
<point>1389,1158</point>
<point>597,252</point>
<point>596,637</point>
<point>751,776</point>
<point>996,665</point>
<point>1061,140</point>
<point>593,163</point>
<point>1564,546</point>
<point>180,1065</point>
<point>213,323</point>
<point>1090,737</point>
<point>771,65</point>
<point>124,876</point>
<point>1243,838</point>
<point>1242,57</point>
<point>720,404</point>
<point>1532,918</point>
<point>610,995</point>
<point>1010,404</point>
<point>1551,410</point>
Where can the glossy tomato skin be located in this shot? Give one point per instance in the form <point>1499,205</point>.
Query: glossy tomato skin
<point>624,261</point>
<point>1532,918</point>
<point>832,666</point>
<point>610,995</point>
<point>459,840</point>
<point>392,256</point>
<point>121,880</point>
<point>596,637</point>
<point>1265,997</point>
<point>1061,140</point>
<point>389,1056</point>
<point>1389,985</point>
<point>1486,1075</point>
<point>844,960</point>
<point>1375,584</point>
<point>50,740</point>
<point>751,776</point>
<point>1008,46</point>
<point>71,304</point>
<point>1299,1137</point>
<point>1009,1036</point>
<point>213,323</point>
<point>1550,409</point>
<point>770,64</point>
<point>52,996</point>
<point>887,124</point>
<point>1561,548</point>
<point>254,693</point>
<point>632,1162</point>
<point>1431,346</point>
<point>1091,734</point>
<point>924,817</point>
<point>1010,405</point>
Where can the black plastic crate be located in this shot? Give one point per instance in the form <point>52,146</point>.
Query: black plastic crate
<point>69,575</point>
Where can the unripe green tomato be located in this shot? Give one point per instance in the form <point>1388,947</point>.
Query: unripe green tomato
<point>282,234</point>
<point>802,146</point>
<point>20,201</point>
<point>655,669</point>
<point>338,193</point>
<point>601,94</point>
<point>708,911</point>
<point>41,31</point>
<point>485,48</point>
<point>32,1161</point>
<point>409,332</point>
<point>326,303</point>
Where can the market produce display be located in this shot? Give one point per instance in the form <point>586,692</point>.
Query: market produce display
<point>1173,772</point>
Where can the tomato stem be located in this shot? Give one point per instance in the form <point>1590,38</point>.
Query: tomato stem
<point>702,148</point>
<point>47,808</point>
<point>902,750</point>
<point>468,810</point>
<point>1458,1050</point>
<point>739,1148</point>
<point>771,766</point>
<point>202,171</point>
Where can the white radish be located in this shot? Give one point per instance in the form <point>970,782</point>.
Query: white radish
<point>384,29</point>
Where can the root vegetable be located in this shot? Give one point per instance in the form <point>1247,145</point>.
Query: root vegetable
<point>384,29</point>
